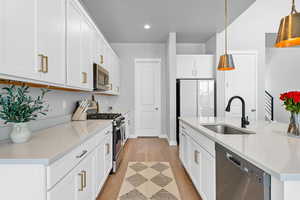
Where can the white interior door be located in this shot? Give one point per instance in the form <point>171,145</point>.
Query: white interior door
<point>147,97</point>
<point>242,82</point>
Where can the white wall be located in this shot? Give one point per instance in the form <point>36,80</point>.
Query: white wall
<point>190,48</point>
<point>61,106</point>
<point>282,75</point>
<point>247,32</point>
<point>171,88</point>
<point>128,52</point>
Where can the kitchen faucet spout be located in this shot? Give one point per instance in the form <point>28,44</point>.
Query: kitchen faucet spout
<point>244,119</point>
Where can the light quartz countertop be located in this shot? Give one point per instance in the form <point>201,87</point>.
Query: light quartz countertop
<point>49,145</point>
<point>269,148</point>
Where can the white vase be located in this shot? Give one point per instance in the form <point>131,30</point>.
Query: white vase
<point>20,133</point>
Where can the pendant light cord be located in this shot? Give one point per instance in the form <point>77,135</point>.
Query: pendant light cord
<point>294,8</point>
<point>226,23</point>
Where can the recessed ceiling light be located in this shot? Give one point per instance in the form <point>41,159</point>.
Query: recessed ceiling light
<point>147,26</point>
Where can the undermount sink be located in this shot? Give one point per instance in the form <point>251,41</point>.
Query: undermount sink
<point>227,130</point>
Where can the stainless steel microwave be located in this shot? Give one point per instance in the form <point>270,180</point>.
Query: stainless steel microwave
<point>101,78</point>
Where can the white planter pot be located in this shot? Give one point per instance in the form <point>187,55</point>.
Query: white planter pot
<point>20,133</point>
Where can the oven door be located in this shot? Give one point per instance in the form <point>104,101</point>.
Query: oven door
<point>123,132</point>
<point>118,144</point>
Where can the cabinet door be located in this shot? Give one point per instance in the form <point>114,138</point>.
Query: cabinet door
<point>207,179</point>
<point>204,66</point>
<point>181,146</point>
<point>108,152</point>
<point>73,44</point>
<point>186,149</point>
<point>51,39</point>
<point>86,54</point>
<point>86,178</point>
<point>100,167</point>
<point>18,56</point>
<point>186,66</point>
<point>196,162</point>
<point>65,189</point>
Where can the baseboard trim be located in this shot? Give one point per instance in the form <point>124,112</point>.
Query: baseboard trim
<point>132,136</point>
<point>163,136</point>
<point>172,143</point>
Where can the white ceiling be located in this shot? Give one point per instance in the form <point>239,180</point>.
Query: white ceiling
<point>193,20</point>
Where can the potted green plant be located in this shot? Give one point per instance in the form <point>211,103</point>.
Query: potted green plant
<point>18,108</point>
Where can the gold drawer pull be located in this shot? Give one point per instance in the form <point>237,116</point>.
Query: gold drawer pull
<point>101,59</point>
<point>196,153</point>
<point>84,77</point>
<point>84,180</point>
<point>81,175</point>
<point>82,154</point>
<point>107,149</point>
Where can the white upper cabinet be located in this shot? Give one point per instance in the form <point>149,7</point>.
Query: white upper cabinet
<point>51,40</point>
<point>33,39</point>
<point>79,48</point>
<point>18,55</point>
<point>195,66</point>
<point>73,44</point>
<point>86,54</point>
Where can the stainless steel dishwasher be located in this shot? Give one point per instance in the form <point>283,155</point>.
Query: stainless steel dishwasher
<point>237,179</point>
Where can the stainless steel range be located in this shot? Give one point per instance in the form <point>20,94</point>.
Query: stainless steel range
<point>118,135</point>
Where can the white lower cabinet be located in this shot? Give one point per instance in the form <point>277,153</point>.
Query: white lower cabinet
<point>85,180</point>
<point>78,184</point>
<point>198,161</point>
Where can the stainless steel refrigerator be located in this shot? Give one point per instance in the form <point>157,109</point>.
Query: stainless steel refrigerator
<point>195,98</point>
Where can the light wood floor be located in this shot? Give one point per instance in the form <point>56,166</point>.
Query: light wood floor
<point>150,149</point>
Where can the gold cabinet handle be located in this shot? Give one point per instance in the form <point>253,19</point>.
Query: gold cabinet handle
<point>43,63</point>
<point>81,175</point>
<point>101,59</point>
<point>196,153</point>
<point>46,64</point>
<point>84,180</point>
<point>84,77</point>
<point>107,149</point>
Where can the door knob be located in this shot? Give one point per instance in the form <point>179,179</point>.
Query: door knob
<point>253,110</point>
<point>156,108</point>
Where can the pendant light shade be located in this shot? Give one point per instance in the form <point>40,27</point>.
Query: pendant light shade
<point>226,62</point>
<point>289,30</point>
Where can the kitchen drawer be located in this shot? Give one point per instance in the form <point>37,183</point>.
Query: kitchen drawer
<point>63,166</point>
<point>201,139</point>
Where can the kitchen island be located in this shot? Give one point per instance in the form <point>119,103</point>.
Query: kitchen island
<point>269,148</point>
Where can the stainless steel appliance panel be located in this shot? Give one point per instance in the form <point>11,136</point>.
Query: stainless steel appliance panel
<point>101,78</point>
<point>238,179</point>
<point>188,98</point>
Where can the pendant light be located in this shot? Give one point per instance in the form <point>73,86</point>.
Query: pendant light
<point>289,30</point>
<point>226,61</point>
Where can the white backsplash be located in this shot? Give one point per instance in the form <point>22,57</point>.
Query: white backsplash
<point>61,107</point>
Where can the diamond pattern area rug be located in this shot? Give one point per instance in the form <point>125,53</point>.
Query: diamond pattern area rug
<point>149,181</point>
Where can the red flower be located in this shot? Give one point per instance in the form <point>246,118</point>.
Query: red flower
<point>294,95</point>
<point>283,96</point>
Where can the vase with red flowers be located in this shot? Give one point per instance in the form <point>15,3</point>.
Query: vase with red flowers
<point>291,102</point>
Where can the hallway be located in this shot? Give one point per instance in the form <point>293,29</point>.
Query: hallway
<point>150,149</point>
